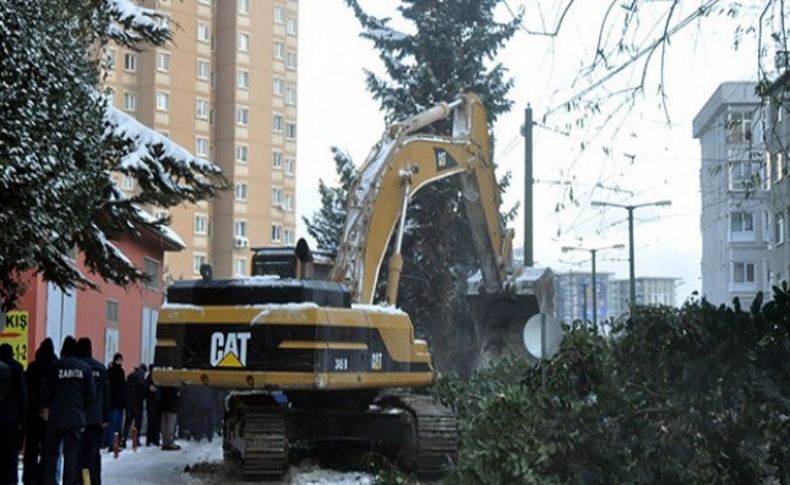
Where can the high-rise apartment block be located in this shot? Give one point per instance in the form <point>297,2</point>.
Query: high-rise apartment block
<point>224,88</point>
<point>735,217</point>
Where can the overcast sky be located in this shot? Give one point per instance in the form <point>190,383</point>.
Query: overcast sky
<point>335,109</point>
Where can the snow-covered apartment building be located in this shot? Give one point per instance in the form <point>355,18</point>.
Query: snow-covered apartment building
<point>225,88</point>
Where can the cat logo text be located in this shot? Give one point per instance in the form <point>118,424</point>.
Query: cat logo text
<point>229,349</point>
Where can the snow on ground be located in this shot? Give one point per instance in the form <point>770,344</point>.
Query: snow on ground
<point>156,467</point>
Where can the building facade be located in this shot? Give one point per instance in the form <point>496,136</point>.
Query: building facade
<point>649,291</point>
<point>574,297</point>
<point>225,88</point>
<point>735,217</point>
<point>116,319</point>
<point>776,183</point>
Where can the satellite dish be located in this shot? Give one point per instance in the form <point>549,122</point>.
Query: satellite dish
<point>532,335</point>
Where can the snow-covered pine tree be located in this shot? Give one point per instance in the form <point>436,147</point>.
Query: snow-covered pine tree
<point>451,49</point>
<point>61,142</point>
<point>326,225</point>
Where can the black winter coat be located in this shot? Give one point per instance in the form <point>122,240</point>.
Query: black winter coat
<point>13,407</point>
<point>35,374</point>
<point>68,392</point>
<point>117,380</point>
<point>99,410</point>
<point>169,402</point>
<point>135,390</point>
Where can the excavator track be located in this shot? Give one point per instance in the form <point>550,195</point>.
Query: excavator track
<point>256,440</point>
<point>436,436</point>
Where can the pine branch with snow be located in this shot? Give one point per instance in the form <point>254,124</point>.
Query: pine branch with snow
<point>61,144</point>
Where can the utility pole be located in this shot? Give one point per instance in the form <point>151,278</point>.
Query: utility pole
<point>526,131</point>
<point>594,293</point>
<point>593,253</point>
<point>584,304</point>
<point>631,264</point>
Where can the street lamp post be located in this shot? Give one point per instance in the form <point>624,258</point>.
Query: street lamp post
<point>593,252</point>
<point>630,209</point>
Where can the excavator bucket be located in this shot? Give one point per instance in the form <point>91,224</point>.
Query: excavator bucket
<point>500,317</point>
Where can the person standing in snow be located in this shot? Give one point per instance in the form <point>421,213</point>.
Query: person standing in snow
<point>66,394</point>
<point>117,380</point>
<point>12,416</point>
<point>152,405</point>
<point>96,415</point>
<point>169,406</point>
<point>135,394</point>
<point>36,428</point>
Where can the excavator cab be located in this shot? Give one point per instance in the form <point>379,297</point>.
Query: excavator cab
<point>292,262</point>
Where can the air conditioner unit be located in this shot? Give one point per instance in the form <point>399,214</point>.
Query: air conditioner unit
<point>241,242</point>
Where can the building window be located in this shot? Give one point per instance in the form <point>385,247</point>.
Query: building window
<point>111,311</point>
<point>743,175</point>
<point>241,192</point>
<point>290,131</point>
<point>279,14</point>
<point>277,160</point>
<point>240,267</point>
<point>277,232</point>
<point>109,58</point>
<point>743,272</point>
<point>277,197</point>
<point>289,237</point>
<point>739,126</point>
<point>291,62</point>
<point>201,224</point>
<point>151,271</point>
<point>291,26</point>
<point>203,70</point>
<point>277,124</point>
<point>110,93</point>
<point>778,168</point>
<point>242,116</point>
<point>203,33</point>
<point>290,95</point>
<point>289,202</point>
<point>741,226</point>
<point>163,61</point>
<point>198,260</point>
<point>290,166</point>
<point>279,50</point>
<point>130,62</point>
<point>244,7</point>
<point>242,153</point>
<point>128,182</point>
<point>243,79</point>
<point>278,86</point>
<point>129,101</point>
<point>201,109</point>
<point>240,229</point>
<point>766,226</point>
<point>244,42</point>
<point>162,101</point>
<point>779,228</point>
<point>201,147</point>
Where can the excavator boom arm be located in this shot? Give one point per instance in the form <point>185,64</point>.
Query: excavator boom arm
<point>403,161</point>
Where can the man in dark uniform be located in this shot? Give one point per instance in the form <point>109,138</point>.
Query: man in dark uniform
<point>67,393</point>
<point>12,416</point>
<point>35,432</point>
<point>96,415</point>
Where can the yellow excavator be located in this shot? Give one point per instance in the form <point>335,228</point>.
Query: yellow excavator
<point>313,362</point>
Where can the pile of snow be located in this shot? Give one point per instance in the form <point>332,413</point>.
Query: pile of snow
<point>386,309</point>
<point>294,308</point>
